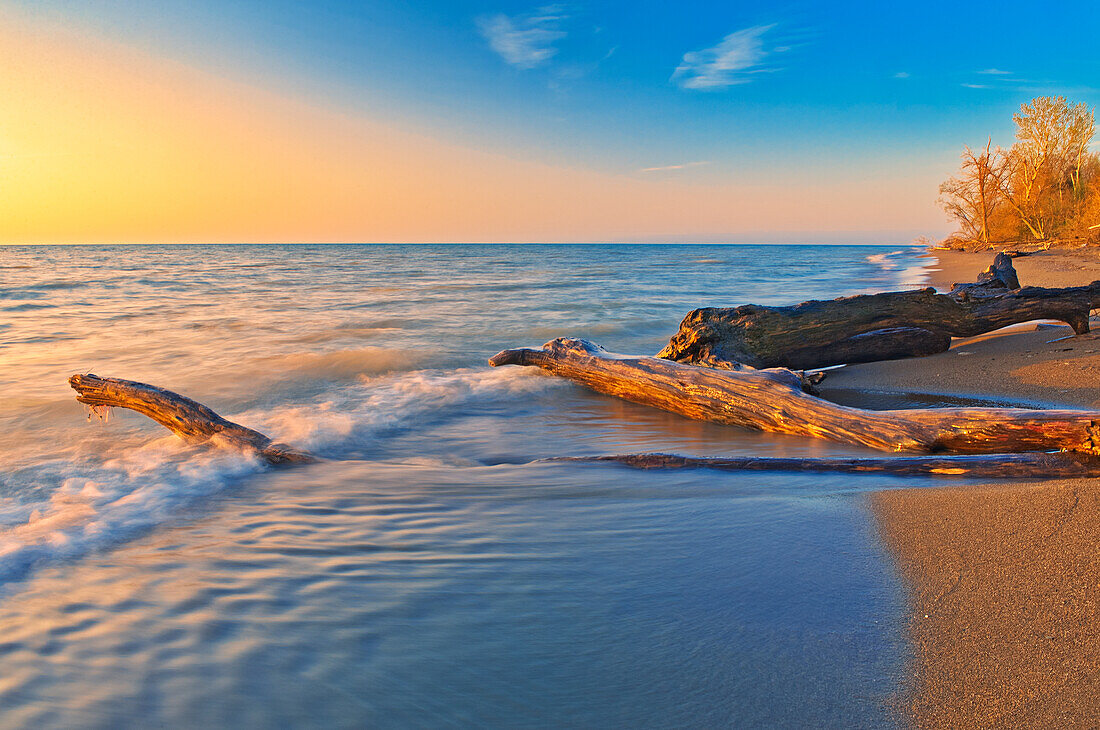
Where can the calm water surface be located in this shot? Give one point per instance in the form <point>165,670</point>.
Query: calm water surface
<point>432,572</point>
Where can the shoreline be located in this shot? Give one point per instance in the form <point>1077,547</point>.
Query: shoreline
<point>1004,588</point>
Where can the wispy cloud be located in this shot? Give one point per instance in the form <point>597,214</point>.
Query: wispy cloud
<point>995,72</point>
<point>683,166</point>
<point>901,75</point>
<point>733,61</point>
<point>976,86</point>
<point>525,41</point>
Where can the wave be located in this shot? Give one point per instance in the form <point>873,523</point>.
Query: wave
<point>379,404</point>
<point>900,264</point>
<point>885,260</point>
<point>95,505</point>
<point>914,276</point>
<point>101,497</point>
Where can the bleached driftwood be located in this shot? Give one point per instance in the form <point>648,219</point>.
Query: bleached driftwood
<point>773,400</point>
<point>188,419</point>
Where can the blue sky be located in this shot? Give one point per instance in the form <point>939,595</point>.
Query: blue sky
<point>705,91</point>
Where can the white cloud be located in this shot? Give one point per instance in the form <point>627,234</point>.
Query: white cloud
<point>901,75</point>
<point>995,72</point>
<point>674,167</point>
<point>732,61</point>
<point>976,86</point>
<point>525,41</point>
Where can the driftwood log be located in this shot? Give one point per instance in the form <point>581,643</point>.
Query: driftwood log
<point>197,423</point>
<point>1062,465</point>
<point>873,327</point>
<point>773,400</point>
<point>188,419</point>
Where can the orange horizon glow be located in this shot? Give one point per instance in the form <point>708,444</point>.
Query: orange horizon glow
<point>102,143</point>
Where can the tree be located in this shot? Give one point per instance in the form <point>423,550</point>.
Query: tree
<point>1047,185</point>
<point>974,196</point>
<point>1044,180</point>
<point>1050,130</point>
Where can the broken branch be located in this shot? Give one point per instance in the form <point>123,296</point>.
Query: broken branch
<point>188,419</point>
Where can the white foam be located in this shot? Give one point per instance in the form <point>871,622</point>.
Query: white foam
<point>103,499</point>
<point>387,401</point>
<point>885,260</point>
<point>898,263</point>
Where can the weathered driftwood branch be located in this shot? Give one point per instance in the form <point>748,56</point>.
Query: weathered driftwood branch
<point>872,327</point>
<point>188,419</point>
<point>989,466</point>
<point>773,400</point>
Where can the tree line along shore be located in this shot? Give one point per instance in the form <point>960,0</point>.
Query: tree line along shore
<point>1041,192</point>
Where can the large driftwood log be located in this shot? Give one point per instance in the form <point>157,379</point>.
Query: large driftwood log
<point>872,327</point>
<point>773,400</point>
<point>188,419</point>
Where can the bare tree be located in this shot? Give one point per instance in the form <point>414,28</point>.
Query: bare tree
<point>974,196</point>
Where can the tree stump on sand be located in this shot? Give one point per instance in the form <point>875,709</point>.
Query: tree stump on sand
<point>1000,274</point>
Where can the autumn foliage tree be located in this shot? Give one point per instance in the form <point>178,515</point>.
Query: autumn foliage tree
<point>974,197</point>
<point>1046,187</point>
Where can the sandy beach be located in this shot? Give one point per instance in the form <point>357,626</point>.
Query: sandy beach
<point>1021,364</point>
<point>1004,585</point>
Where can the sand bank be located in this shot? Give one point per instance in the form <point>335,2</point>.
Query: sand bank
<point>1005,592</point>
<point>1004,578</point>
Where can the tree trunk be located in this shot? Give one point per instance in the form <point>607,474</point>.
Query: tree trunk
<point>188,419</point>
<point>773,400</point>
<point>870,327</point>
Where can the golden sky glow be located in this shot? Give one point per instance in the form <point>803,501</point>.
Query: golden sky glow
<point>103,143</point>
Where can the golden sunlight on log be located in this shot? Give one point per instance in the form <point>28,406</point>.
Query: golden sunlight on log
<point>188,419</point>
<point>773,400</point>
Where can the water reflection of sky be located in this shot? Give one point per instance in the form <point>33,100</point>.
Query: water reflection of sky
<point>432,572</point>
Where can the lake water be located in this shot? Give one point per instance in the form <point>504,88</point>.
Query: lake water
<point>432,572</point>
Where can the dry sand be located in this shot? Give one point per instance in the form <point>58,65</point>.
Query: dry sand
<point>1004,578</point>
<point>1017,364</point>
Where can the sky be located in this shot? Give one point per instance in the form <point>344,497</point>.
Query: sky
<point>136,121</point>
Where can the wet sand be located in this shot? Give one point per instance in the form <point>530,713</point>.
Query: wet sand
<point>1005,593</point>
<point>1004,577</point>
